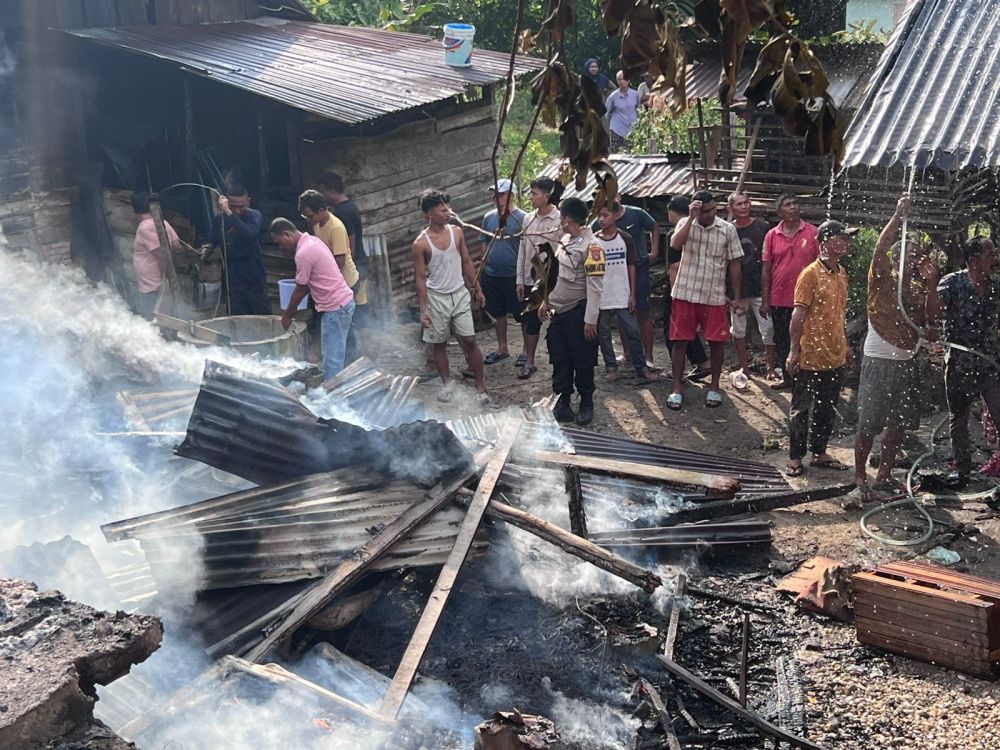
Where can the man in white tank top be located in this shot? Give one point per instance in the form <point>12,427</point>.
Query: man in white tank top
<point>445,275</point>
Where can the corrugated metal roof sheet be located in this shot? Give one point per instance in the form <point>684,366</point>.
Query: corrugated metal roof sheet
<point>934,100</point>
<point>638,176</point>
<point>347,74</point>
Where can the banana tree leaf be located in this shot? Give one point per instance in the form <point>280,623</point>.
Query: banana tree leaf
<point>769,63</point>
<point>614,13</point>
<point>640,39</point>
<point>559,17</point>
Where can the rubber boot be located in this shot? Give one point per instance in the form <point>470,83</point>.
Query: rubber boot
<point>586,413</point>
<point>563,411</point>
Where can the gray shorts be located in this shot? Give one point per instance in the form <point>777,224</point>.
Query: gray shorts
<point>450,314</point>
<point>888,396</point>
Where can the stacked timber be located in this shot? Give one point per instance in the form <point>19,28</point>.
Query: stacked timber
<point>930,613</point>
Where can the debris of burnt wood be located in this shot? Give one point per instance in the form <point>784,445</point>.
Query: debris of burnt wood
<point>822,586</point>
<point>513,730</point>
<point>53,652</point>
<point>930,613</point>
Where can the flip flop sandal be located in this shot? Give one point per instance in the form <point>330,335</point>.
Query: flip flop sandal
<point>713,400</point>
<point>521,361</point>
<point>468,373</point>
<point>526,372</point>
<point>699,373</point>
<point>675,401</point>
<point>795,471</point>
<point>493,357</point>
<point>611,376</point>
<point>833,465</point>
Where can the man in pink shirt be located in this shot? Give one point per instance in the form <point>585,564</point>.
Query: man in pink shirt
<point>788,248</point>
<point>147,256</point>
<point>317,274</point>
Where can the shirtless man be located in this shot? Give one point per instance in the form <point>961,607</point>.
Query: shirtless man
<point>445,276</point>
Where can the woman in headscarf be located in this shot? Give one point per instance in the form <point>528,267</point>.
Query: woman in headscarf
<point>592,70</point>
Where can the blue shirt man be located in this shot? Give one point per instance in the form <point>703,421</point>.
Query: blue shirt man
<point>246,277</point>
<point>499,281</point>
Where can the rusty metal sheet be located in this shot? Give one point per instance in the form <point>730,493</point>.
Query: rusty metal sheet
<point>337,72</point>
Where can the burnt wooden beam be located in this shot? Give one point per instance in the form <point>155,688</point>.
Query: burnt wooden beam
<point>760,503</point>
<point>680,591</point>
<point>354,566</point>
<point>575,545</point>
<point>577,512</point>
<point>712,484</point>
<point>668,726</point>
<point>724,701</point>
<point>392,701</point>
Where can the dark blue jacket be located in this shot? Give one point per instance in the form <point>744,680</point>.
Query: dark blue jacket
<point>244,256</point>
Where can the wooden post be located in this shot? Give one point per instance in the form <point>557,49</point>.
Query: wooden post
<point>702,141</point>
<point>577,513</point>
<point>393,699</point>
<point>165,299</point>
<point>264,174</point>
<point>292,132</point>
<point>744,659</point>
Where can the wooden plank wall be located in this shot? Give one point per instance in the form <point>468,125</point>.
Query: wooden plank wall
<point>385,174</point>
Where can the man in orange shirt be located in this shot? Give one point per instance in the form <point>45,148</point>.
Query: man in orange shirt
<point>819,350</point>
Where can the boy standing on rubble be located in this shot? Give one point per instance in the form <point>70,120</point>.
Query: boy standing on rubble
<point>573,306</point>
<point>618,299</point>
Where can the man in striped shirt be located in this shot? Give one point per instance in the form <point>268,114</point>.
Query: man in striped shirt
<point>711,248</point>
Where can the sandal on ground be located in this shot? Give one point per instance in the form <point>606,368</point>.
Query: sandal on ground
<point>468,373</point>
<point>675,401</point>
<point>795,471</point>
<point>493,357</point>
<point>611,376</point>
<point>521,361</point>
<point>426,377</point>
<point>829,463</point>
<point>648,376</point>
<point>889,486</point>
<point>526,372</point>
<point>713,400</point>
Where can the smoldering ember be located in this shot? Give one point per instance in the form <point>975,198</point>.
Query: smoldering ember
<point>288,464</point>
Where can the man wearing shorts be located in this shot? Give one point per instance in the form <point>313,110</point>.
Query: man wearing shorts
<point>499,279</point>
<point>444,277</point>
<point>751,232</point>
<point>541,225</point>
<point>889,392</point>
<point>710,248</point>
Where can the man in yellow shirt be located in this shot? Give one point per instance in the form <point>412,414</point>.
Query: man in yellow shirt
<point>819,350</point>
<point>327,227</point>
<point>330,229</point>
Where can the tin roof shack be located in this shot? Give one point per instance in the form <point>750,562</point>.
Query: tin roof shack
<point>932,108</point>
<point>45,206</point>
<point>279,102</point>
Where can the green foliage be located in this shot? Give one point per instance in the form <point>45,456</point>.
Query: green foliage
<point>542,148</point>
<point>394,15</point>
<point>667,131</point>
<point>857,263</point>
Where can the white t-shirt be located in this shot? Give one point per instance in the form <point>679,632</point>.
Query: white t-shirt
<point>616,262</point>
<point>879,348</point>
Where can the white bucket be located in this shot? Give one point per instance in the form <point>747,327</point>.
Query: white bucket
<point>458,44</point>
<point>285,289</point>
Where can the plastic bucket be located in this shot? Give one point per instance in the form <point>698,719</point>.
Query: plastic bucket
<point>285,289</point>
<point>458,44</point>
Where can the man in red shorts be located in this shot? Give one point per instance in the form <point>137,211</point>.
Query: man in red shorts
<point>710,247</point>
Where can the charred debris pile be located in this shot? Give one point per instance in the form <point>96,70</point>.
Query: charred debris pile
<point>316,593</point>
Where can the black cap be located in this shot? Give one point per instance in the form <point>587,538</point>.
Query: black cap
<point>832,228</point>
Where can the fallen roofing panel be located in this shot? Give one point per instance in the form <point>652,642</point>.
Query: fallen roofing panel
<point>934,100</point>
<point>338,72</point>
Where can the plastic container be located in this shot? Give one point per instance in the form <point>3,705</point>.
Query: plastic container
<point>285,289</point>
<point>740,380</point>
<point>458,44</point>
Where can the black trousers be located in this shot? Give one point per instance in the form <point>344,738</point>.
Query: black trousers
<point>695,349</point>
<point>248,298</point>
<point>782,318</point>
<point>573,357</point>
<point>814,401</point>
<point>965,380</point>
